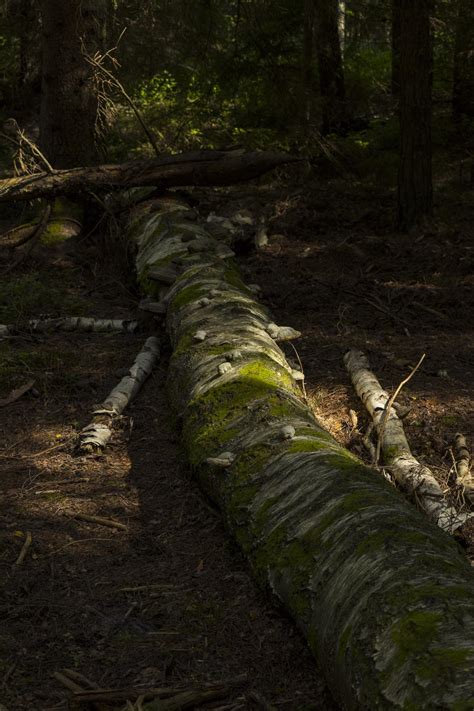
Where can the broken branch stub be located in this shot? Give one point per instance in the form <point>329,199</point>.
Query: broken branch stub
<point>95,436</point>
<point>382,596</point>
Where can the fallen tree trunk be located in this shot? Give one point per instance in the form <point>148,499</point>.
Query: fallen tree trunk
<point>199,168</point>
<point>383,596</point>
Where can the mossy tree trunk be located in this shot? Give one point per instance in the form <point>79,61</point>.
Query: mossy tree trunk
<point>384,597</point>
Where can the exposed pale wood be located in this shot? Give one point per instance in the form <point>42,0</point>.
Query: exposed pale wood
<point>95,436</point>
<point>73,323</point>
<point>462,458</point>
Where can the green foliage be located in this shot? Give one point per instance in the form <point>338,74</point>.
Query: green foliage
<point>368,74</point>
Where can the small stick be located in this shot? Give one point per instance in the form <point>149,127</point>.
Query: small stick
<point>32,240</point>
<point>96,519</point>
<point>261,701</point>
<point>8,674</point>
<point>367,442</point>
<point>73,543</point>
<point>387,407</point>
<point>115,82</point>
<point>24,550</point>
<point>68,683</point>
<point>80,678</point>
<point>462,463</point>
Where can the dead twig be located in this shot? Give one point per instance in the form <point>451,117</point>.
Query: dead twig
<point>97,62</point>
<point>8,674</point>
<point>80,678</point>
<point>388,405</point>
<point>96,519</point>
<point>16,394</point>
<point>24,550</point>
<point>73,543</point>
<point>261,701</point>
<point>67,682</point>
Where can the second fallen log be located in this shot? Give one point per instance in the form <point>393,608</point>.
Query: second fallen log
<point>199,168</point>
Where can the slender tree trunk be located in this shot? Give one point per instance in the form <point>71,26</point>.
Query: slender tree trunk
<point>69,102</point>
<point>342,25</point>
<point>395,40</point>
<point>307,60</point>
<point>331,73</point>
<point>384,597</point>
<point>415,189</point>
<point>463,76</point>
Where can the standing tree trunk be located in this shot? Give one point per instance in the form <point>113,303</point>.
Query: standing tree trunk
<point>69,102</point>
<point>307,61</point>
<point>342,25</point>
<point>331,73</point>
<point>463,76</point>
<point>415,188</point>
<point>395,38</point>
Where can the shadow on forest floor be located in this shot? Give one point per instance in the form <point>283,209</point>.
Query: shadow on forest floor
<point>171,599</point>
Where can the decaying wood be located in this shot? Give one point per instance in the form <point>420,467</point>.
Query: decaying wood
<point>25,548</point>
<point>72,323</point>
<point>462,458</point>
<point>199,168</point>
<point>95,435</point>
<point>383,596</point>
<point>415,478</point>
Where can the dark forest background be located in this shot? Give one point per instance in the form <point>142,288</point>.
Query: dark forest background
<point>327,80</point>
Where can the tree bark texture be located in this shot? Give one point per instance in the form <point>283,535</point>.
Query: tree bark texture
<point>384,597</point>
<point>395,41</point>
<point>331,72</point>
<point>415,189</point>
<point>68,100</point>
<point>307,60</point>
<point>463,77</point>
<point>199,168</point>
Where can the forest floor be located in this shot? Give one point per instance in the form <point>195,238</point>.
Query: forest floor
<point>169,601</point>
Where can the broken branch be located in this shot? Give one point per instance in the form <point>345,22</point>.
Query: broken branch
<point>198,168</point>
<point>415,478</point>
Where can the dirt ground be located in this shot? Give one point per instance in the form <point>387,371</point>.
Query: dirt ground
<point>169,600</point>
